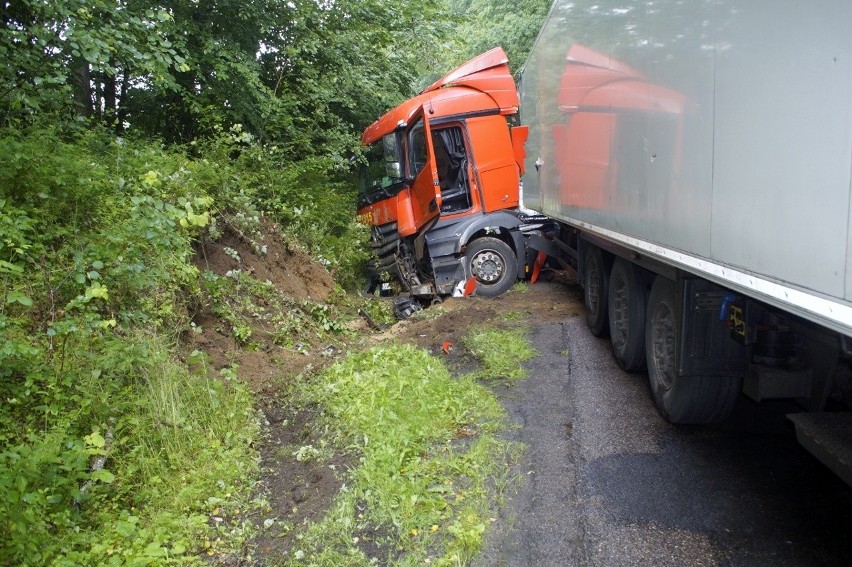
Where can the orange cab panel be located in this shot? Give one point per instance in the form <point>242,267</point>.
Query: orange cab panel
<point>425,191</point>
<point>519,140</point>
<point>494,157</point>
<point>397,208</point>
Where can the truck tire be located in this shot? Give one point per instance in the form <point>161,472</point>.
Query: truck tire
<point>595,291</point>
<point>494,265</point>
<point>681,399</point>
<point>627,315</point>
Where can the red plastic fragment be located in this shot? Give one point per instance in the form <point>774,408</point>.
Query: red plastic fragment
<point>469,287</point>
<point>539,262</point>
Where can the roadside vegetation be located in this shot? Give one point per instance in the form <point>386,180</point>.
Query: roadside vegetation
<point>428,453</point>
<point>138,138</point>
<point>501,352</point>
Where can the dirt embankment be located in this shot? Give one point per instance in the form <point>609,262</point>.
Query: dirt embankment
<point>296,491</point>
<point>293,274</point>
<point>300,491</point>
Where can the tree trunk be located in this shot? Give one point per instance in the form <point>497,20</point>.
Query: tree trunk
<point>110,116</point>
<point>81,79</point>
<point>121,115</point>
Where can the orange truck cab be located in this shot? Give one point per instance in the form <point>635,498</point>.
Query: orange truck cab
<point>440,186</point>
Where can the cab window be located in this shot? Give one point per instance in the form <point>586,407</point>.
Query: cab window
<point>417,148</point>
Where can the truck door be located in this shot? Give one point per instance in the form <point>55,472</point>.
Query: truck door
<point>423,170</point>
<point>451,159</point>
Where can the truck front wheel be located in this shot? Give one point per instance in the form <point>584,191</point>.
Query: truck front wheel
<point>494,265</point>
<point>681,399</point>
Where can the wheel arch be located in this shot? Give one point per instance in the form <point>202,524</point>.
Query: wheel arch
<point>504,235</point>
<point>450,237</point>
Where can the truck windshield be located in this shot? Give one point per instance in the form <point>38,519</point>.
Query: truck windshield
<point>381,175</point>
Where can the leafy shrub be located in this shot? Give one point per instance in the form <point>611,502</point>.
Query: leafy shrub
<point>96,243</point>
<point>40,481</point>
<point>315,209</point>
<point>97,237</point>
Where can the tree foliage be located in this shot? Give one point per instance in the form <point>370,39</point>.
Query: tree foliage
<point>489,23</point>
<point>303,74</point>
<point>81,54</point>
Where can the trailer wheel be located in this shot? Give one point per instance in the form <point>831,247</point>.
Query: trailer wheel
<point>627,315</point>
<point>494,265</point>
<point>681,399</point>
<point>595,291</point>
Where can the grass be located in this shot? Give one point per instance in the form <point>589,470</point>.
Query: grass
<point>521,286</point>
<point>178,452</point>
<point>430,459</point>
<point>193,460</point>
<point>500,352</point>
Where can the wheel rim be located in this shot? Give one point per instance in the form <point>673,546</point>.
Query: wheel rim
<point>488,266</point>
<point>663,345</point>
<point>618,308</point>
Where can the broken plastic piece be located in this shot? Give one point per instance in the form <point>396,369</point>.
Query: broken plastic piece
<point>458,291</point>
<point>405,307</point>
<point>469,287</point>
<point>465,288</point>
<point>540,258</point>
<point>447,347</point>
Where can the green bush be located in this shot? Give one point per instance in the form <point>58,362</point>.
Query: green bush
<point>96,245</point>
<point>315,208</point>
<point>97,237</point>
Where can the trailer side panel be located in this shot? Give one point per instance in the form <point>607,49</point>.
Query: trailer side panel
<point>723,140</point>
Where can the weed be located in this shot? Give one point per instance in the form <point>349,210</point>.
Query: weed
<point>521,286</point>
<point>428,453</point>
<point>307,453</point>
<point>511,316</point>
<point>501,352</point>
<point>253,307</point>
<point>380,311</point>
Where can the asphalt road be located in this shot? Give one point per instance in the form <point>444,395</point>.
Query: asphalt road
<point>609,482</point>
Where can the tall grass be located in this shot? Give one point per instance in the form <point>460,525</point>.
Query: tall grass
<point>96,278</point>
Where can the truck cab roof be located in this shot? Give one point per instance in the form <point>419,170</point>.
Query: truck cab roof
<point>482,85</point>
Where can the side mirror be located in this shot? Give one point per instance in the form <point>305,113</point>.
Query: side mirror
<point>393,169</point>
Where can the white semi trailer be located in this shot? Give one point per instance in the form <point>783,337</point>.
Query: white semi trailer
<point>697,156</point>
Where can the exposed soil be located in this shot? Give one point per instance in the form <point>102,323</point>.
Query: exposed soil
<point>300,491</point>
<point>297,491</point>
<point>453,319</point>
<point>292,272</point>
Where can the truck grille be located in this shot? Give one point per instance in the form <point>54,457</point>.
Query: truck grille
<point>384,243</point>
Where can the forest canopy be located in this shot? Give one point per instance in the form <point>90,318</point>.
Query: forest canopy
<point>306,74</point>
